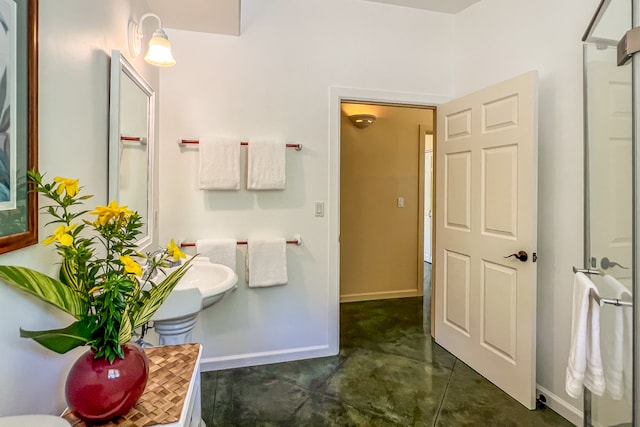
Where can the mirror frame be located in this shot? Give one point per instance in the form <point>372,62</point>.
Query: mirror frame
<point>119,65</point>
<point>29,142</point>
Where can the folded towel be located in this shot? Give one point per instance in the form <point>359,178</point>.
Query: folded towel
<point>219,251</point>
<point>267,262</point>
<point>617,343</point>
<point>612,342</point>
<point>219,164</point>
<point>266,165</point>
<point>584,367</point>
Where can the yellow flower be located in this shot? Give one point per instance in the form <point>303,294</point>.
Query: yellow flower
<point>61,234</point>
<point>175,251</point>
<point>130,265</point>
<point>112,210</point>
<point>68,184</point>
<point>94,289</point>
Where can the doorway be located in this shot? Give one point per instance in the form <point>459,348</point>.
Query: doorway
<point>382,192</point>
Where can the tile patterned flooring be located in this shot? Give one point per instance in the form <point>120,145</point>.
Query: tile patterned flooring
<point>389,372</point>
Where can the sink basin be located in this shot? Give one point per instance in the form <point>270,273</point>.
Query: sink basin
<point>203,285</point>
<point>212,280</point>
<point>33,420</point>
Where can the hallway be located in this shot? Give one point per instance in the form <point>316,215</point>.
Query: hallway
<point>389,373</point>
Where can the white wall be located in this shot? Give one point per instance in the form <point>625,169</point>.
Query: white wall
<point>274,81</point>
<point>76,38</point>
<point>498,39</point>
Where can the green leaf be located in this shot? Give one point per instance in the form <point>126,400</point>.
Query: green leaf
<point>126,331</point>
<point>62,340</point>
<point>44,287</point>
<point>157,295</point>
<point>69,275</point>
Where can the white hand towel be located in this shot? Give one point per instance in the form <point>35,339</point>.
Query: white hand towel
<point>266,165</point>
<point>267,261</point>
<point>585,361</point>
<point>219,251</point>
<point>219,164</point>
<point>613,340</point>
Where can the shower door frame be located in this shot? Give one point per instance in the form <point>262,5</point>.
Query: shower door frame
<point>635,100</point>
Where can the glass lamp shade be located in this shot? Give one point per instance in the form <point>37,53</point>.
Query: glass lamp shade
<point>362,121</point>
<point>159,52</point>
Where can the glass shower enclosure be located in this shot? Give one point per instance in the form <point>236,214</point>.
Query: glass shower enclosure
<point>611,205</point>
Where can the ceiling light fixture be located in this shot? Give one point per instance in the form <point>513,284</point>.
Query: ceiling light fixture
<point>362,120</point>
<point>159,52</point>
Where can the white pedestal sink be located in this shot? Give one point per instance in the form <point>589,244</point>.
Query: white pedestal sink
<point>33,420</point>
<point>202,286</point>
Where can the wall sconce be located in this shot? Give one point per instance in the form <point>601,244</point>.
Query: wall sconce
<point>159,52</point>
<point>362,120</point>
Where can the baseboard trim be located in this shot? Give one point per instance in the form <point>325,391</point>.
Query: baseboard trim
<point>561,406</point>
<point>370,296</point>
<point>264,358</point>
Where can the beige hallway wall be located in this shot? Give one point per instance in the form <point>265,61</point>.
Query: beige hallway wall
<point>381,243</point>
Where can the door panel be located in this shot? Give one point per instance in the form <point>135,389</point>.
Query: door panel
<point>500,191</point>
<point>486,191</point>
<point>457,202</point>
<point>457,283</point>
<point>498,290</point>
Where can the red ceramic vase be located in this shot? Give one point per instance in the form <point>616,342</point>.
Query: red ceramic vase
<point>99,391</point>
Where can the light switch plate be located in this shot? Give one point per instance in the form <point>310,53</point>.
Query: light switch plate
<point>319,208</point>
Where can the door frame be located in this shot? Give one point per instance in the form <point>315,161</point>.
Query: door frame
<point>424,134</point>
<point>336,96</point>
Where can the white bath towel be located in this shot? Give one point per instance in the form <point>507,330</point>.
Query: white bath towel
<point>266,165</point>
<point>267,262</point>
<point>612,338</point>
<point>617,342</point>
<point>584,367</point>
<point>627,346</point>
<point>219,251</point>
<point>220,163</point>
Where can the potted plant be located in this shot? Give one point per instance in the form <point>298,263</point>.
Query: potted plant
<point>102,285</point>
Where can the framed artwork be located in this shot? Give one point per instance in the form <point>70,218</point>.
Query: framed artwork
<point>18,122</point>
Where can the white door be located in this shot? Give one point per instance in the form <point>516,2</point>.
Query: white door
<point>610,168</point>
<point>428,170</point>
<point>486,200</point>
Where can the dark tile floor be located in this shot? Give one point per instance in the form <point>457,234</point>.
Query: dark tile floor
<point>389,372</point>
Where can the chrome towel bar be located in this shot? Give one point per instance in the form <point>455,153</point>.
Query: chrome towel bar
<point>610,301</point>
<point>597,297</point>
<point>585,271</point>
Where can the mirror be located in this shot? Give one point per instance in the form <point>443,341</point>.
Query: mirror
<point>131,124</point>
<point>18,123</point>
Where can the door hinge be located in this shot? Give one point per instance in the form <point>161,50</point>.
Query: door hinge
<point>628,45</point>
<point>534,257</point>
